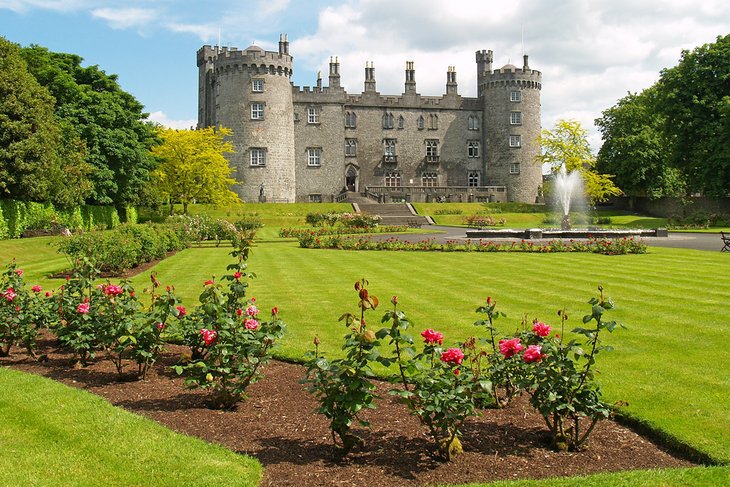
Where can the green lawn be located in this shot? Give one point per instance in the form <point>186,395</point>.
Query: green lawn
<point>668,363</point>
<point>55,435</point>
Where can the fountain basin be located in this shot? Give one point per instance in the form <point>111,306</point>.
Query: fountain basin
<point>550,233</point>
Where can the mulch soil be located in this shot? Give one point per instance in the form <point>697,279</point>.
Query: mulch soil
<point>278,425</point>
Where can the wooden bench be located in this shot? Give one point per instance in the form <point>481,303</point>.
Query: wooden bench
<point>725,242</point>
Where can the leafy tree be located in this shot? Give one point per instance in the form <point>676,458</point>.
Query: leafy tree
<point>694,99</point>
<point>40,159</point>
<point>635,148</point>
<point>567,145</point>
<point>193,166</point>
<point>107,119</point>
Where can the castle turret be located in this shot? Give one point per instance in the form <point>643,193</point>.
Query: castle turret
<point>510,97</point>
<point>249,92</point>
<point>334,73</point>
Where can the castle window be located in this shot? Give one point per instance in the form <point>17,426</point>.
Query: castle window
<point>388,121</point>
<point>473,148</point>
<point>514,168</point>
<point>392,179</point>
<point>432,150</point>
<point>312,115</point>
<point>257,111</point>
<point>473,179</point>
<point>257,156</point>
<point>433,121</point>
<point>314,156</point>
<point>350,120</point>
<point>401,122</point>
<point>515,118</point>
<point>515,96</point>
<point>429,179</point>
<point>257,85</point>
<point>315,198</point>
<point>389,154</point>
<point>350,147</point>
<point>473,122</point>
<point>515,141</point>
<point>421,123</point>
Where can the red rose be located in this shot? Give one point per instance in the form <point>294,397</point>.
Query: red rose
<point>209,336</point>
<point>432,337</point>
<point>453,356</point>
<point>181,311</point>
<point>237,275</point>
<point>533,354</point>
<point>541,328</point>
<point>510,347</point>
<point>209,282</point>
<point>274,311</point>
<point>36,288</point>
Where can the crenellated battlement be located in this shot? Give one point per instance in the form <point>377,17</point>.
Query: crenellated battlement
<point>224,60</point>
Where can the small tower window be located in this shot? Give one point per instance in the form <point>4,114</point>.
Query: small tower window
<point>433,121</point>
<point>312,115</point>
<point>350,147</point>
<point>473,122</point>
<point>257,85</point>
<point>515,118</point>
<point>401,122</point>
<point>257,156</point>
<point>473,148</point>
<point>421,123</point>
<point>257,111</point>
<point>314,157</point>
<point>515,96</point>
<point>473,179</point>
<point>515,141</point>
<point>514,168</point>
<point>350,120</point>
<point>388,121</point>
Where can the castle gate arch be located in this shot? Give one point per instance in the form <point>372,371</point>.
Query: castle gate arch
<point>352,178</point>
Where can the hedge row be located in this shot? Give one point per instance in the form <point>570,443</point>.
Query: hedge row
<point>17,217</point>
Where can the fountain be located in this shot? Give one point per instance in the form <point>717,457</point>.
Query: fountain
<point>566,184</point>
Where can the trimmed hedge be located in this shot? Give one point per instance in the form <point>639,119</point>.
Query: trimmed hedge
<point>17,217</point>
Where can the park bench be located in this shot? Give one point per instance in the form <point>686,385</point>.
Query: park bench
<point>725,242</point>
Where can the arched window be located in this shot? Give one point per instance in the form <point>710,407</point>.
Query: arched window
<point>421,123</point>
<point>350,120</point>
<point>388,120</point>
<point>401,122</point>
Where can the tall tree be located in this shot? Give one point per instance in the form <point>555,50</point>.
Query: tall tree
<point>39,158</point>
<point>694,99</point>
<point>107,119</point>
<point>193,167</point>
<point>567,144</point>
<point>635,149</point>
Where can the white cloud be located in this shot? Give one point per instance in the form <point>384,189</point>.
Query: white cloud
<point>162,118</point>
<point>23,6</point>
<point>124,18</point>
<point>205,32</point>
<point>267,8</point>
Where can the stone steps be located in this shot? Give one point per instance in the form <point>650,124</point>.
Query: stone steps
<point>394,214</point>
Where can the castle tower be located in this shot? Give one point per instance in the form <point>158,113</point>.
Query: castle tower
<point>249,92</point>
<point>510,98</point>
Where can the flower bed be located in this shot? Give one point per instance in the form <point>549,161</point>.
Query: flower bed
<point>318,232</point>
<point>605,246</point>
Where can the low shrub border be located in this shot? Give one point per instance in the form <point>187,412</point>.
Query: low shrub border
<point>318,232</point>
<point>605,246</point>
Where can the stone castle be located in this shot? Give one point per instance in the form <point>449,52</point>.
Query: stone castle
<point>316,143</point>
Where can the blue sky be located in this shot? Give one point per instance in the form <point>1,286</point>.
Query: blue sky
<point>590,52</point>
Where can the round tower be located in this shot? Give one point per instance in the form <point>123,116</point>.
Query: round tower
<point>511,100</point>
<point>249,91</point>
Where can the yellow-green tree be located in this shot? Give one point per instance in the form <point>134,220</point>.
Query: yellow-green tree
<point>567,144</point>
<point>193,167</point>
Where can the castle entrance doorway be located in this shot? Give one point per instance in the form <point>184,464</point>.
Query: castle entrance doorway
<point>351,178</point>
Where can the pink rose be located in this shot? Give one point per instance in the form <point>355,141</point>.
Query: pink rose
<point>533,354</point>
<point>432,337</point>
<point>161,326</point>
<point>453,356</point>
<point>181,311</point>
<point>209,336</point>
<point>19,272</point>
<point>510,347</point>
<point>237,275</point>
<point>252,310</point>
<point>83,308</point>
<point>9,294</point>
<point>36,288</point>
<point>251,324</point>
<point>113,290</point>
<point>274,311</point>
<point>541,328</point>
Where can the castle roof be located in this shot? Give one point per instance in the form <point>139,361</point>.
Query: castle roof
<point>509,67</point>
<point>254,47</point>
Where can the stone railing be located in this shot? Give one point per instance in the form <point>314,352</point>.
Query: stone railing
<point>427,194</point>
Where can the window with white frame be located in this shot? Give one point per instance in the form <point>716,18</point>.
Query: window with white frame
<point>350,147</point>
<point>515,118</point>
<point>421,123</point>
<point>257,85</point>
<point>350,120</point>
<point>389,154</point>
<point>257,111</point>
<point>388,121</point>
<point>473,179</point>
<point>515,141</point>
<point>473,122</point>
<point>314,156</point>
<point>392,179</point>
<point>257,156</point>
<point>432,150</point>
<point>473,148</point>
<point>514,168</point>
<point>312,115</point>
<point>515,96</point>
<point>429,179</point>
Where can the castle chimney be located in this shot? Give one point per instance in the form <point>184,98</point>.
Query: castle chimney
<point>369,76</point>
<point>319,80</point>
<point>284,45</point>
<point>525,66</point>
<point>334,73</point>
<point>451,86</point>
<point>410,77</point>
<point>281,44</point>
